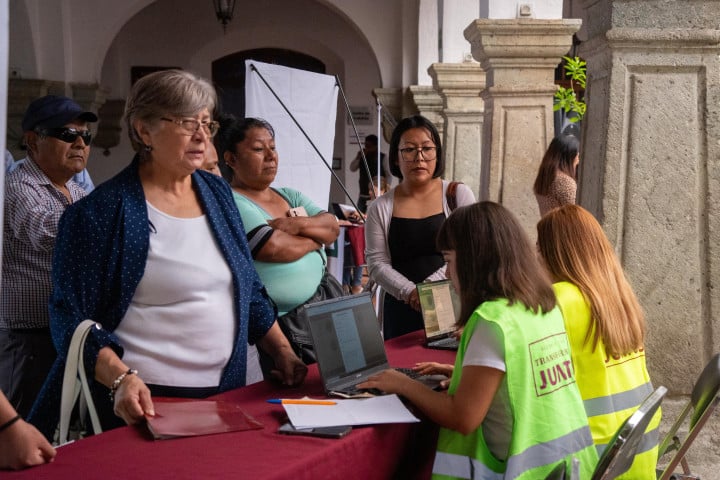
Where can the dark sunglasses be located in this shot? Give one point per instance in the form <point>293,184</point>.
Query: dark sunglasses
<point>68,135</point>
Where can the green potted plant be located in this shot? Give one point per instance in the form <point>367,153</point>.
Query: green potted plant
<point>571,99</point>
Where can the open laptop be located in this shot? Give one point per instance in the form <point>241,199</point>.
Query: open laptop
<point>440,306</point>
<point>348,344</point>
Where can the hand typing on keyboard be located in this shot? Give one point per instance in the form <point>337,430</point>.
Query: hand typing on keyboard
<point>392,381</point>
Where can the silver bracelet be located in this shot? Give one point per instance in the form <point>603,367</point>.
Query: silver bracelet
<point>116,384</point>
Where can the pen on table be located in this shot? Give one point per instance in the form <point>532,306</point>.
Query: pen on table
<point>300,401</point>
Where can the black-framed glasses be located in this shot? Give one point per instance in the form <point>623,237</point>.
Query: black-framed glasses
<point>66,134</point>
<point>410,154</point>
<point>191,126</point>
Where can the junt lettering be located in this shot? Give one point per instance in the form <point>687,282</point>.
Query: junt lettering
<point>557,373</point>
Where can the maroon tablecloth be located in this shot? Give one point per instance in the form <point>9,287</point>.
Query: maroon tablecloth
<point>383,451</point>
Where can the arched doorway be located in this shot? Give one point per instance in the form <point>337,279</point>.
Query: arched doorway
<point>228,73</point>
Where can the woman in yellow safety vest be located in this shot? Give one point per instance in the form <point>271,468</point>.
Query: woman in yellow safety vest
<point>513,410</point>
<point>605,326</point>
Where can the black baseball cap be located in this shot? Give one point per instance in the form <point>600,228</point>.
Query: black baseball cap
<point>53,111</point>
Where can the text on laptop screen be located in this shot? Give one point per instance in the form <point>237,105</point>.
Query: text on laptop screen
<point>349,336</point>
<point>438,302</point>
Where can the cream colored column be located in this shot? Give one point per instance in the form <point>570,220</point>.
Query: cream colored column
<point>429,104</point>
<point>519,57</point>
<point>651,168</point>
<point>459,86</point>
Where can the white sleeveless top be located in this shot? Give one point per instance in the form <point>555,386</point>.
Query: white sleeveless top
<point>180,327</point>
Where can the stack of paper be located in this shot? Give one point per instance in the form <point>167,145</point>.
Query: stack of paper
<point>370,411</point>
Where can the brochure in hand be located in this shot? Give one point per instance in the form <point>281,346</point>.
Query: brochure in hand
<point>189,418</point>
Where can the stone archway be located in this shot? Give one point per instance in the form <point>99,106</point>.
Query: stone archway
<point>228,72</point>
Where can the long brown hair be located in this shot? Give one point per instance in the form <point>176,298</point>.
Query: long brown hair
<point>576,250</point>
<point>494,259</point>
<point>559,157</point>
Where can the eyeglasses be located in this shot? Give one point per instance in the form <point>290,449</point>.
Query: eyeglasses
<point>411,154</point>
<point>67,135</point>
<point>191,126</point>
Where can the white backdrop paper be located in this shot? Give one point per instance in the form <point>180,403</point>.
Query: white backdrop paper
<point>312,100</point>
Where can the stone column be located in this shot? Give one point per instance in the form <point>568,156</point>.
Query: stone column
<point>394,108</point>
<point>519,57</point>
<point>459,85</point>
<point>429,104</point>
<point>650,168</point>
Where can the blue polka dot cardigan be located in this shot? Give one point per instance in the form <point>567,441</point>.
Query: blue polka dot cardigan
<point>99,259</point>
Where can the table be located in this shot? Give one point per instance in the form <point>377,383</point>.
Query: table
<point>376,452</point>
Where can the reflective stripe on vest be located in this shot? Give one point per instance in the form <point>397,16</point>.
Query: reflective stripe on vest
<point>617,402</point>
<point>460,466</point>
<point>538,455</point>
<point>549,452</point>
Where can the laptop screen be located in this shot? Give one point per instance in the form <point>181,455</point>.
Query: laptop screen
<point>346,338</point>
<point>439,304</point>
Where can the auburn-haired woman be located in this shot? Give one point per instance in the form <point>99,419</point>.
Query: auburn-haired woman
<point>556,184</point>
<point>605,325</point>
<point>512,409</point>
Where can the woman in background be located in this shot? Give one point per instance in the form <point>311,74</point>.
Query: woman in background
<point>502,416</point>
<point>401,225</point>
<point>605,326</point>
<point>556,181</point>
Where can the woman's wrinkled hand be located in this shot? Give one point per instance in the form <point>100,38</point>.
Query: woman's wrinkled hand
<point>289,225</point>
<point>133,401</point>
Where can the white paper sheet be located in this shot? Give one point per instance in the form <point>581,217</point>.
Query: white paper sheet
<point>370,411</point>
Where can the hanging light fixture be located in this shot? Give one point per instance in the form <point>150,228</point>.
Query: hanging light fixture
<point>224,11</point>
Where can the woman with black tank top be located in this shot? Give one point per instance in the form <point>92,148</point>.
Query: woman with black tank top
<point>401,225</point>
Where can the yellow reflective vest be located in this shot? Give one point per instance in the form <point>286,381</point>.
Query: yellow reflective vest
<point>611,388</point>
<point>549,422</point>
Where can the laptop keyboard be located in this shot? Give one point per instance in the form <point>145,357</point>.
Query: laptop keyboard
<point>409,372</point>
<point>354,391</point>
<point>445,342</point>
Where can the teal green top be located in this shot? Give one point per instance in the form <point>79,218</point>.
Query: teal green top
<point>288,284</point>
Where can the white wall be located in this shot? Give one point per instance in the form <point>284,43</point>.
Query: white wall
<point>427,44</point>
<point>542,9</point>
<point>333,39</point>
<point>457,15</point>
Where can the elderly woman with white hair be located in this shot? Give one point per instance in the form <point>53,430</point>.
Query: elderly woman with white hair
<point>158,257</point>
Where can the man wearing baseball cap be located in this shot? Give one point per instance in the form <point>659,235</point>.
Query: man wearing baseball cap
<point>36,194</point>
